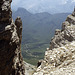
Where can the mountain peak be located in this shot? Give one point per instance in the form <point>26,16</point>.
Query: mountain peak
<point>21,9</point>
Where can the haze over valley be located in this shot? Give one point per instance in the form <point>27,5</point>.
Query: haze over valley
<point>38,30</point>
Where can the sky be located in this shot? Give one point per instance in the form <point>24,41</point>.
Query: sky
<point>43,5</point>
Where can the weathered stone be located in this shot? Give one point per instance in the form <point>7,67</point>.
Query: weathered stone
<point>29,69</point>
<point>60,57</point>
<point>66,35</point>
<point>57,31</point>
<point>11,61</point>
<point>39,63</point>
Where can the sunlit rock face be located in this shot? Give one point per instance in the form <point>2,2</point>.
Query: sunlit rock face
<point>66,35</point>
<point>11,62</point>
<point>60,56</point>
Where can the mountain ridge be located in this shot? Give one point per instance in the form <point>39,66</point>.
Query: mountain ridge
<point>57,6</point>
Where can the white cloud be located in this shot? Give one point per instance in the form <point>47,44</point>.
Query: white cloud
<point>43,4</point>
<point>15,2</point>
<point>73,0</point>
<point>31,3</point>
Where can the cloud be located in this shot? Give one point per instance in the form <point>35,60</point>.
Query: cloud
<point>73,0</point>
<point>15,4</point>
<point>32,5</point>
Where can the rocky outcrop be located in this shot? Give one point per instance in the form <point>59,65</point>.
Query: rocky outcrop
<point>11,61</point>
<point>59,61</point>
<point>29,69</point>
<point>66,35</point>
<point>60,56</point>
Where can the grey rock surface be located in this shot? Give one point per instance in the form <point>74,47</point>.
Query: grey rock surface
<point>60,56</point>
<point>66,35</point>
<point>29,69</point>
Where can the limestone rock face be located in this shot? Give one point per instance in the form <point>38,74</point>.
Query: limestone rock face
<point>59,61</point>
<point>60,56</point>
<point>11,62</point>
<point>66,35</point>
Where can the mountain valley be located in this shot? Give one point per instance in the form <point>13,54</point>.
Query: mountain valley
<point>38,29</point>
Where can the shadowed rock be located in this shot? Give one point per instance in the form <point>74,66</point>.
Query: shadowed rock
<point>11,61</point>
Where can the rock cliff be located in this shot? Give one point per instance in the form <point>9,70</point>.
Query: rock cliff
<point>11,61</point>
<point>60,56</point>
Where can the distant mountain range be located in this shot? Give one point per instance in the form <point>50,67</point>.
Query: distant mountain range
<point>38,30</point>
<point>67,6</point>
<point>50,6</point>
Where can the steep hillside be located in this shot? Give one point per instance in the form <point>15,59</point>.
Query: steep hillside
<point>60,56</point>
<point>37,32</point>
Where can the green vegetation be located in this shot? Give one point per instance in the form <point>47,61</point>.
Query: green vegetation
<point>38,30</point>
<point>33,52</point>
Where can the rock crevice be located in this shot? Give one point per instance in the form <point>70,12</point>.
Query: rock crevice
<point>10,42</point>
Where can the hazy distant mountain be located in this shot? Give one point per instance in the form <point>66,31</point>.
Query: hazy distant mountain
<point>50,6</point>
<point>37,31</point>
<point>67,6</point>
